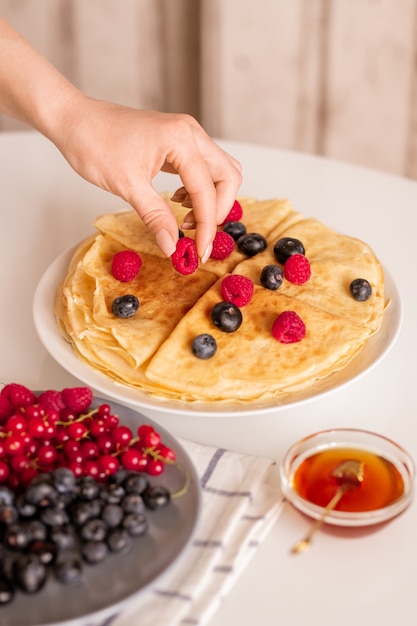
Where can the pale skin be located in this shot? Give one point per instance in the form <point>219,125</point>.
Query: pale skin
<point>121,149</point>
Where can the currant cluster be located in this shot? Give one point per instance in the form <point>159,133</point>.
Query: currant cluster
<point>63,429</point>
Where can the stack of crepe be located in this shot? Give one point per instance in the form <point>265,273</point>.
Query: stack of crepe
<point>151,351</point>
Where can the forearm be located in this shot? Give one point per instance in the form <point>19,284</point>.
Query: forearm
<point>31,89</point>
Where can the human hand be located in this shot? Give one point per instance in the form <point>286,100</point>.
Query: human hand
<point>121,149</point>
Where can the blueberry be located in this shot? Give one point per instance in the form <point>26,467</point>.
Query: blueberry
<point>135,524</point>
<point>204,346</point>
<point>360,289</point>
<point>29,573</point>
<point>94,551</point>
<point>135,483</point>
<point>6,591</point>
<point>271,277</point>
<point>226,316</point>
<point>119,540</point>
<point>68,569</point>
<point>286,247</point>
<point>133,503</point>
<point>156,497</point>
<point>125,306</point>
<point>93,530</point>
<point>251,244</point>
<point>235,229</point>
<point>112,515</point>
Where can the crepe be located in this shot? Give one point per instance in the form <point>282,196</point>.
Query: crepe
<point>151,351</point>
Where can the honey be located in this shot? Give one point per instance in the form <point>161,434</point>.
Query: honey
<point>382,483</point>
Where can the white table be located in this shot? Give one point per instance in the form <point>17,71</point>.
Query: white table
<point>361,577</point>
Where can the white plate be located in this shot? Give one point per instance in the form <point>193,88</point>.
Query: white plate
<point>44,317</point>
<point>111,585</point>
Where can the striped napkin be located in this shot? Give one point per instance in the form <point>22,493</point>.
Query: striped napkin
<point>241,501</point>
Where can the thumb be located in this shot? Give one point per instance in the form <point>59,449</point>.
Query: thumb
<point>157,216</point>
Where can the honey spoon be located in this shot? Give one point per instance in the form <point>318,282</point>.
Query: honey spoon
<point>350,474</point>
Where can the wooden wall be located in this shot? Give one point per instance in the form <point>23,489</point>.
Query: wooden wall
<point>333,77</point>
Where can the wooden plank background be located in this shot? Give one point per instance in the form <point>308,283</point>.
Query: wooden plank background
<point>332,77</point>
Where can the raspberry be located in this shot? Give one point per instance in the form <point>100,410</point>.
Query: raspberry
<point>288,327</point>
<point>125,265</point>
<point>235,213</point>
<point>223,246</point>
<point>18,395</point>
<point>237,289</point>
<point>77,399</point>
<point>51,399</point>
<point>6,408</point>
<point>297,269</point>
<point>185,259</point>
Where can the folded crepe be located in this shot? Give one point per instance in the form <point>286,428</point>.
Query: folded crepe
<point>151,351</point>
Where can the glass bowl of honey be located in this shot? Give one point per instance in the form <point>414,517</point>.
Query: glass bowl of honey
<point>317,477</point>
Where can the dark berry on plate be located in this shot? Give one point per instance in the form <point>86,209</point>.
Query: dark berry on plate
<point>235,229</point>
<point>135,483</point>
<point>119,540</point>
<point>63,537</point>
<point>6,591</point>
<point>112,515</point>
<point>46,551</point>
<point>156,497</point>
<point>8,514</point>
<point>360,289</point>
<point>81,511</point>
<point>93,530</point>
<point>135,524</point>
<point>226,316</point>
<point>16,536</point>
<point>87,488</point>
<point>64,480</point>
<point>68,569</point>
<point>41,492</point>
<point>29,573</point>
<point>180,233</point>
<point>271,277</point>
<point>204,346</point>
<point>6,496</point>
<point>94,551</point>
<point>125,306</point>
<point>286,247</point>
<point>133,503</point>
<point>251,244</point>
<point>54,516</point>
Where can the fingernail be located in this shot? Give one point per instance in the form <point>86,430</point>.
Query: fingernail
<point>176,197</point>
<point>188,225</point>
<point>207,253</point>
<point>165,242</point>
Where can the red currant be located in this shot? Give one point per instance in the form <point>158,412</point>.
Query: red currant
<point>155,467</point>
<point>76,430</point>
<point>122,435</point>
<point>4,471</point>
<point>107,465</point>
<point>16,423</point>
<point>148,435</point>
